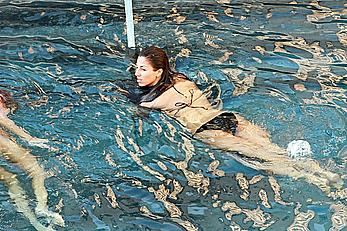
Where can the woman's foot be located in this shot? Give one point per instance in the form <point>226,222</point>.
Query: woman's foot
<point>335,180</point>
<point>320,182</point>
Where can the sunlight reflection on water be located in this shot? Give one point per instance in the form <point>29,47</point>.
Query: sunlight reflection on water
<point>114,166</point>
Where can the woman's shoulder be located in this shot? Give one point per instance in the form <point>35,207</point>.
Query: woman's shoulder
<point>179,77</point>
<point>184,83</point>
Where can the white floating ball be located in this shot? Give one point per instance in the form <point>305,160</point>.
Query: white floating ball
<point>298,149</point>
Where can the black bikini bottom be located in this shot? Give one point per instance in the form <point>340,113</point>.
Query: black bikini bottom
<point>226,122</point>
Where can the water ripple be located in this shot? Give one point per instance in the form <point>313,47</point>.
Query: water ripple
<point>282,64</point>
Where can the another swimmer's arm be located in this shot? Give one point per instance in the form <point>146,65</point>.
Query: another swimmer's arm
<point>11,126</point>
<point>122,91</point>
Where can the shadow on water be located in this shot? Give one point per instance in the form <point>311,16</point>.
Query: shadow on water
<point>113,166</point>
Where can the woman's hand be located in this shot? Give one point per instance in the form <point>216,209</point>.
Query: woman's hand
<point>34,141</point>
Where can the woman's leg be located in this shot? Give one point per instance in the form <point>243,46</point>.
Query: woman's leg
<point>287,167</point>
<point>247,147</point>
<point>256,134</point>
<point>249,131</point>
<point>17,194</point>
<point>272,158</point>
<point>313,167</point>
<point>28,163</point>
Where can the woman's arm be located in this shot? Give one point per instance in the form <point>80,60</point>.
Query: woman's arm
<point>11,126</point>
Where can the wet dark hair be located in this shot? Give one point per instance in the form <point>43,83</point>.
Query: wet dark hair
<point>158,60</point>
<point>7,99</point>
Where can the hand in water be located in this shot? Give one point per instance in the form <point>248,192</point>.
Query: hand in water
<point>51,217</point>
<point>38,142</point>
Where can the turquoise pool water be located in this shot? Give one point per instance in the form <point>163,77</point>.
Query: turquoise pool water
<point>281,64</point>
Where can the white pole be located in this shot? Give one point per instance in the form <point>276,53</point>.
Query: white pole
<point>130,23</point>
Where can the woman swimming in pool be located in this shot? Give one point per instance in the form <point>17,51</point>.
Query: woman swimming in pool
<point>181,99</point>
<point>26,161</point>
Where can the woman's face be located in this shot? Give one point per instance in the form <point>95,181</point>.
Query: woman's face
<point>146,76</point>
